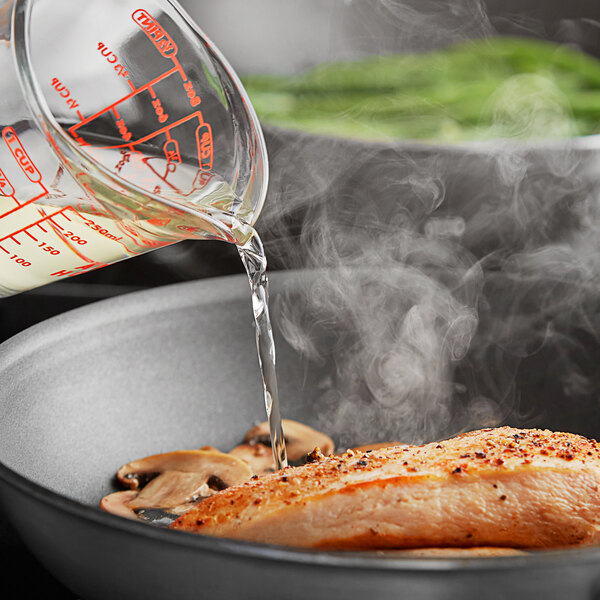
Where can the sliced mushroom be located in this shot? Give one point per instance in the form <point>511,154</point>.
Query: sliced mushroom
<point>206,463</point>
<point>174,481</point>
<point>118,504</point>
<point>300,439</point>
<point>174,490</point>
<point>258,456</point>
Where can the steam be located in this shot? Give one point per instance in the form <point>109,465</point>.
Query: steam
<point>527,104</point>
<point>418,25</point>
<point>453,288</point>
<point>392,309</point>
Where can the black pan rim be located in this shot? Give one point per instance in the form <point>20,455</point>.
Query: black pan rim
<point>252,550</point>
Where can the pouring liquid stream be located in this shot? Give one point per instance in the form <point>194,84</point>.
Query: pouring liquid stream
<point>254,260</point>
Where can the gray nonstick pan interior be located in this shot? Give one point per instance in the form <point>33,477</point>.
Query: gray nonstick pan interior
<point>176,368</point>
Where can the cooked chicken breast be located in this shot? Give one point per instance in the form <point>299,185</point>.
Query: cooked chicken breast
<point>494,487</point>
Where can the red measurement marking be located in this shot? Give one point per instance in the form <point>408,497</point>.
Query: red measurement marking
<point>159,110</point>
<point>204,141</point>
<point>65,93</point>
<point>201,180</point>
<point>11,235</point>
<point>6,189</point>
<point>44,230</point>
<point>157,35</point>
<point>16,242</point>
<point>125,133</point>
<point>141,140</point>
<point>80,115</point>
<point>65,237</point>
<point>5,250</point>
<point>194,99</point>
<point>80,140</point>
<point>123,99</point>
<point>171,150</point>
<point>14,144</point>
<point>116,113</point>
<point>112,59</point>
<point>99,229</point>
<point>31,236</point>
<point>67,273</point>
<point>179,68</point>
<point>44,193</point>
<point>152,92</point>
<point>78,270</point>
<point>131,85</point>
<point>170,167</point>
<point>56,224</point>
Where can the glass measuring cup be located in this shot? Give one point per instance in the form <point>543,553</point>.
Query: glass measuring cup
<point>123,130</point>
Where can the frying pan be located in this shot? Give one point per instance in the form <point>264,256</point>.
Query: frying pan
<point>172,368</point>
<point>176,368</point>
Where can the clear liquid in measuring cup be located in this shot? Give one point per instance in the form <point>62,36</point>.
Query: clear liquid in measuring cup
<point>48,234</point>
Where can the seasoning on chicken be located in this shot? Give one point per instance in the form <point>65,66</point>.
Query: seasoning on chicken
<point>500,487</point>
